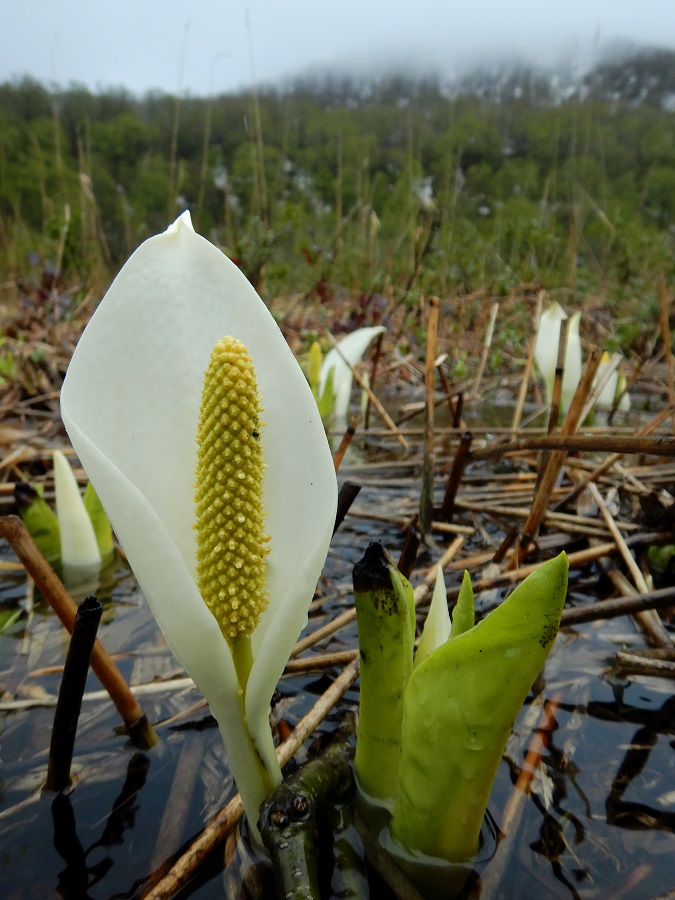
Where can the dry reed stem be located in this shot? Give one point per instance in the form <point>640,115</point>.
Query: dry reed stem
<point>649,620</point>
<point>427,492</point>
<point>455,477</point>
<point>613,459</point>
<point>17,536</point>
<point>373,398</point>
<point>554,411</point>
<point>620,444</point>
<point>628,558</point>
<point>320,661</point>
<point>223,823</point>
<point>618,606</point>
<point>455,410</point>
<point>553,518</point>
<point>443,527</point>
<point>377,353</point>
<point>556,460</point>
<point>487,343</point>
<point>346,496</point>
<point>347,437</point>
<point>633,664</point>
<point>511,576</point>
<point>664,321</point>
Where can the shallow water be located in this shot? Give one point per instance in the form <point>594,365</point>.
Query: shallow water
<point>599,823</point>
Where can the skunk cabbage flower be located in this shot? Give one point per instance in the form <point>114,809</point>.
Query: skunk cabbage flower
<point>250,536</point>
<point>79,548</point>
<point>622,394</point>
<point>606,397</point>
<point>352,347</point>
<point>614,388</point>
<point>546,353</point>
<point>430,736</point>
<point>78,536</point>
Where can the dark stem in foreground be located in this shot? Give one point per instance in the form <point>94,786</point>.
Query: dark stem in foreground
<point>71,691</point>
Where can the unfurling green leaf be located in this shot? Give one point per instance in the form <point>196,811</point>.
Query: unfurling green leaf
<point>464,613</point>
<point>460,705</point>
<point>100,521</point>
<point>385,613</point>
<point>326,401</point>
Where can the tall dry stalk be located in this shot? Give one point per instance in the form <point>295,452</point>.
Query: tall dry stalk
<point>427,493</point>
<point>664,321</point>
<point>173,185</point>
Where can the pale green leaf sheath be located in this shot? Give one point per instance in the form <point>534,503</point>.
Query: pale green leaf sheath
<point>385,615</point>
<point>460,706</point>
<point>100,522</point>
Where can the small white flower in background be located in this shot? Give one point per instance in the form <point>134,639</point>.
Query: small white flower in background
<point>546,353</point>
<point>79,548</point>
<point>351,348</point>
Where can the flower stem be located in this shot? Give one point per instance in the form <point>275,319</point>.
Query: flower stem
<point>243,659</point>
<point>242,656</point>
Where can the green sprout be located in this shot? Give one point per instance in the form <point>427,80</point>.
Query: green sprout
<point>456,705</point>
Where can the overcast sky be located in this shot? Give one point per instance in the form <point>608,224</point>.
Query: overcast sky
<point>207,45</point>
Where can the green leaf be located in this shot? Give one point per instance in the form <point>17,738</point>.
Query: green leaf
<point>100,522</point>
<point>460,706</point>
<point>385,613</point>
<point>464,614</point>
<point>314,370</point>
<point>40,520</point>
<point>8,617</point>
<point>326,401</point>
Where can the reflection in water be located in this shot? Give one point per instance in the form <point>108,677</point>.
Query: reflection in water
<point>633,815</point>
<point>74,879</point>
<point>78,876</point>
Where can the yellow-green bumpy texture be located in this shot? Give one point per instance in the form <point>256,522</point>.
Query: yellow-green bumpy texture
<point>231,539</point>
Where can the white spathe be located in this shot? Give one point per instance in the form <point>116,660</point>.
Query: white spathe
<point>606,397</point>
<point>437,625</point>
<point>546,353</point>
<point>351,348</point>
<point>130,403</point>
<point>614,387</point>
<point>79,548</point>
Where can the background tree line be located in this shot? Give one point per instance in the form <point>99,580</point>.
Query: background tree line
<point>512,177</point>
